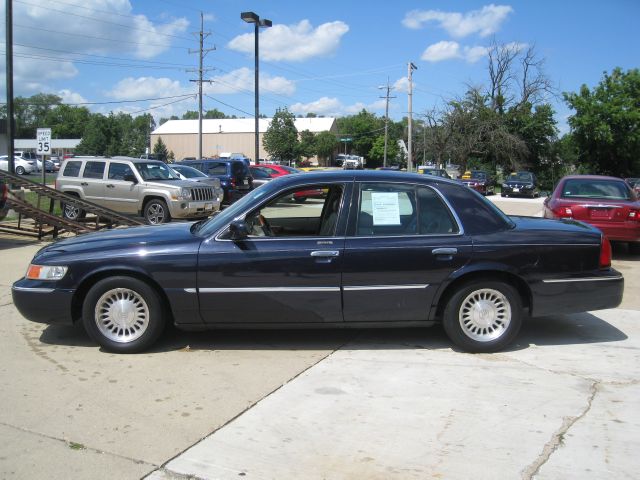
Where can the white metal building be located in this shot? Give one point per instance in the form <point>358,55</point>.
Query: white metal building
<point>226,135</point>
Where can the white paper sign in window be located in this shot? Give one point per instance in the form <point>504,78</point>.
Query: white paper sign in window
<point>385,208</point>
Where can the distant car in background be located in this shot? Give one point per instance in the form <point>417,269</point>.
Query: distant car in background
<point>260,175</point>
<point>438,172</point>
<point>480,181</point>
<point>520,183</point>
<point>21,166</point>
<point>634,183</point>
<point>235,176</point>
<point>275,171</point>
<point>278,170</point>
<point>607,203</point>
<point>189,173</point>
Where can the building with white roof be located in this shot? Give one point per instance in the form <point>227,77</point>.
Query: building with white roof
<point>226,135</point>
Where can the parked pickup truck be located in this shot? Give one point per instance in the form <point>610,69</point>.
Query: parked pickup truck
<point>148,188</point>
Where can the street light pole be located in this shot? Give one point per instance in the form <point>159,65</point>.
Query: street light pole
<point>251,17</point>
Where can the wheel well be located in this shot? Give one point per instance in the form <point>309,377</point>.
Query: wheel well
<point>508,278</point>
<point>85,286</point>
<point>152,197</point>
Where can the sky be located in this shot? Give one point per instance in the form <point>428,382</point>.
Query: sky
<point>332,58</point>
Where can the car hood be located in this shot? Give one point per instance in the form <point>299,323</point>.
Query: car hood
<point>171,183</point>
<point>98,243</point>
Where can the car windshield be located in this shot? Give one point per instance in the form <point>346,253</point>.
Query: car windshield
<point>479,175</point>
<point>290,169</point>
<point>520,177</point>
<point>189,172</point>
<point>260,173</point>
<point>228,214</point>
<point>155,171</point>
<point>590,188</point>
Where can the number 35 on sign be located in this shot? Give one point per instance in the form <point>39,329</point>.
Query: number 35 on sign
<point>44,141</point>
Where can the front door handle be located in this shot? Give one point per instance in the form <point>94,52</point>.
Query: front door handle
<point>110,185</point>
<point>444,251</point>
<point>84,184</point>
<point>325,253</point>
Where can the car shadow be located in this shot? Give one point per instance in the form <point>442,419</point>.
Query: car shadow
<point>8,241</point>
<point>576,329</point>
<point>621,251</point>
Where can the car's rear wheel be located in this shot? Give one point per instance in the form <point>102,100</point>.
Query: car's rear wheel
<point>20,170</point>
<point>300,199</point>
<point>156,212</point>
<point>483,316</point>
<point>634,248</point>
<point>123,314</point>
<point>72,212</point>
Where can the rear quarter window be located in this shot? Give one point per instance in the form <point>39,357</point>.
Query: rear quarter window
<point>72,169</point>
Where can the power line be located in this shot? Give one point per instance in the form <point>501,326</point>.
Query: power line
<point>227,105</point>
<point>50,58</point>
<point>182,97</point>
<point>159,106</point>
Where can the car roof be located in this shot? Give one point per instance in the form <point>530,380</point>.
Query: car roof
<point>362,176</point>
<point>591,177</point>
<point>129,159</point>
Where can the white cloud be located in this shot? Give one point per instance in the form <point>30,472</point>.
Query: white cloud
<point>402,85</point>
<point>244,79</point>
<point>296,42</point>
<point>71,97</point>
<point>484,22</point>
<point>446,50</point>
<point>332,107</point>
<point>146,87</point>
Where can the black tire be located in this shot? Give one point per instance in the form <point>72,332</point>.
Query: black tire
<point>156,212</point>
<point>503,194</point>
<point>299,199</point>
<point>634,248</point>
<point>142,322</point>
<point>70,212</point>
<point>20,170</point>
<point>489,329</point>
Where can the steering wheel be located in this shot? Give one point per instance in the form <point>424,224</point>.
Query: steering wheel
<point>265,226</point>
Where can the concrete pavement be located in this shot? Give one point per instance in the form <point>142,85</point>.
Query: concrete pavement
<point>561,403</point>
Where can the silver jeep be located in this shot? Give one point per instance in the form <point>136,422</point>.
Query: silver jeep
<point>147,188</point>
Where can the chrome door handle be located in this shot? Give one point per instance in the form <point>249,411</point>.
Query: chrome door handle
<point>325,253</point>
<point>110,185</point>
<point>84,184</point>
<point>444,251</point>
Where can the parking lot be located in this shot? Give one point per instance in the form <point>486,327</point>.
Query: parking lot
<point>401,403</point>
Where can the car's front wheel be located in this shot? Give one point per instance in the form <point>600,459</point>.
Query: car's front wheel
<point>483,316</point>
<point>156,212</point>
<point>72,212</point>
<point>20,170</point>
<point>123,314</point>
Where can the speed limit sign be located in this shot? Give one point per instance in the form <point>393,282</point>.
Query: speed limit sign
<point>44,141</point>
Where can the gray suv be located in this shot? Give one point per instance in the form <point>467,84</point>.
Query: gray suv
<point>147,188</point>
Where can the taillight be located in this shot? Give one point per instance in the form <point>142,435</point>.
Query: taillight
<point>562,212</point>
<point>605,253</point>
<point>634,215</point>
<point>233,182</point>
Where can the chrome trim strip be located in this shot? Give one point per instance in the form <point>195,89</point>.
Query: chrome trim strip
<point>269,289</point>
<point>191,290</point>
<point>34,289</point>
<point>384,287</point>
<point>591,279</point>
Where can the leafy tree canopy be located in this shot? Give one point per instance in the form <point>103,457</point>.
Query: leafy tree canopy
<point>281,138</point>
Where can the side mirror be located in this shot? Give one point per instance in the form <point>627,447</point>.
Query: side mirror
<point>130,177</point>
<point>238,230</point>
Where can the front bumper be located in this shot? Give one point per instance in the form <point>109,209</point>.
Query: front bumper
<point>43,303</point>
<point>510,190</point>
<point>189,209</point>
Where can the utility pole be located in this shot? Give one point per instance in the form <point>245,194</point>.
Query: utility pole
<point>202,51</point>
<point>386,121</point>
<point>411,67</point>
<point>9,72</point>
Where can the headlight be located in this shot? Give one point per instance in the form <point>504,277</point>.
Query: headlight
<point>183,194</point>
<point>504,185</point>
<point>45,272</point>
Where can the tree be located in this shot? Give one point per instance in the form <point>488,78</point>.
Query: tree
<point>326,144</point>
<point>215,113</point>
<point>363,129</point>
<point>160,149</point>
<point>281,138</point>
<point>606,125</point>
<point>307,147</point>
<point>67,121</point>
<point>165,120</point>
<point>376,154</point>
<point>190,115</point>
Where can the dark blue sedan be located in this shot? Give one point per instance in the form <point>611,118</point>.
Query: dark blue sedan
<point>379,249</point>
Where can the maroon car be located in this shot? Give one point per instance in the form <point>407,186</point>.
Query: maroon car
<point>607,203</point>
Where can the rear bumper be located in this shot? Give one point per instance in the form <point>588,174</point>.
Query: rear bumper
<point>507,190</point>
<point>623,231</point>
<point>577,294</point>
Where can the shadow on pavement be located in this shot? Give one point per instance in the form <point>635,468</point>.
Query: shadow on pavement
<point>621,251</point>
<point>558,330</point>
<point>8,241</point>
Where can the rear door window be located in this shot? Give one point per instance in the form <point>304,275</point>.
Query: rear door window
<point>387,209</point>
<point>215,169</point>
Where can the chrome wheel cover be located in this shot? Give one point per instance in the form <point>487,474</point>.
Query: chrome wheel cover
<point>485,315</point>
<point>122,315</point>
<point>155,214</point>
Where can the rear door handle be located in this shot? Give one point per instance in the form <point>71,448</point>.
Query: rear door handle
<point>84,184</point>
<point>110,185</point>
<point>444,251</point>
<point>325,253</point>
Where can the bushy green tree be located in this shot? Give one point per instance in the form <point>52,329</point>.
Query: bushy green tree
<point>326,144</point>
<point>606,123</point>
<point>281,138</point>
<point>363,129</point>
<point>376,154</point>
<point>160,149</point>
<point>307,147</point>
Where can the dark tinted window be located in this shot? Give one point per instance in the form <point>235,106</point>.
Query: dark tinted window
<point>189,172</point>
<point>434,216</point>
<point>117,171</point>
<point>93,170</point>
<point>239,169</point>
<point>259,173</point>
<point>72,169</point>
<point>215,168</point>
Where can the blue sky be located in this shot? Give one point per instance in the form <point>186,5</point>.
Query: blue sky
<point>328,57</point>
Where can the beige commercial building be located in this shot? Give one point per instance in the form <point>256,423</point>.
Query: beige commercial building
<point>226,135</point>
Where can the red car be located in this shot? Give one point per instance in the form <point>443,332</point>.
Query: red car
<point>275,171</point>
<point>607,203</point>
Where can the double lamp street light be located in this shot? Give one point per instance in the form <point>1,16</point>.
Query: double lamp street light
<point>251,17</point>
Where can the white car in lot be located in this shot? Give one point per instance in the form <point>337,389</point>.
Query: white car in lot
<point>21,166</point>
